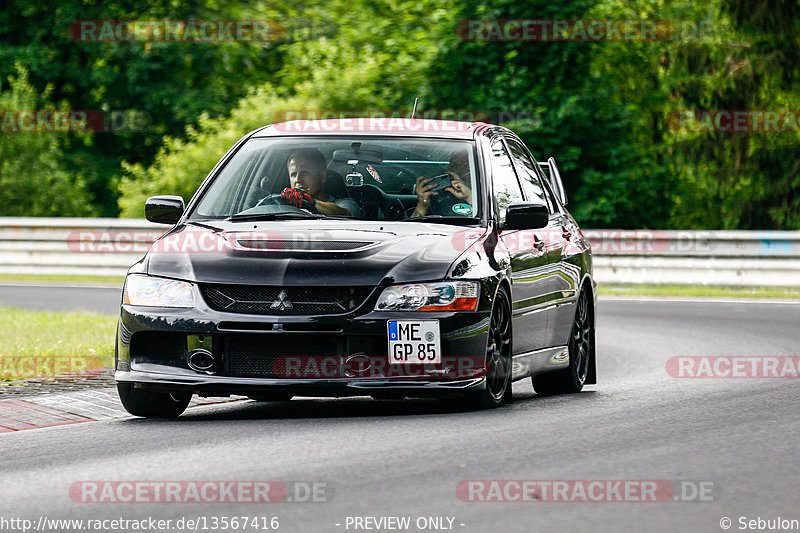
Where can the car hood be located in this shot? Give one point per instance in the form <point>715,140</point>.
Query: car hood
<point>323,252</point>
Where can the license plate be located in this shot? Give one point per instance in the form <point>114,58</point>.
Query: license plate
<point>414,341</point>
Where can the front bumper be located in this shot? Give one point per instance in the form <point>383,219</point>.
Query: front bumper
<point>347,353</point>
<point>227,386</point>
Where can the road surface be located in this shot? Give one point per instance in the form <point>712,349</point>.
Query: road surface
<point>406,459</point>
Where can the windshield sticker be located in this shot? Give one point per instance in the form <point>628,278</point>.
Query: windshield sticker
<point>374,174</point>
<point>462,209</point>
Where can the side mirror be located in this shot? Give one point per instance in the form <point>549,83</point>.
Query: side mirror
<point>526,216</point>
<point>163,209</point>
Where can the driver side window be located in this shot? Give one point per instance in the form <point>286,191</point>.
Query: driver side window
<point>504,179</point>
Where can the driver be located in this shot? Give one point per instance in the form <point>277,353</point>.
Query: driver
<point>307,175</point>
<point>459,189</point>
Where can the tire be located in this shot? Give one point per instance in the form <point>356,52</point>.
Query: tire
<point>271,397</point>
<point>498,358</point>
<point>581,352</point>
<point>141,402</point>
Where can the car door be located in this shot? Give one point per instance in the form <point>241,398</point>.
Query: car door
<point>554,284</point>
<point>572,248</point>
<point>529,259</point>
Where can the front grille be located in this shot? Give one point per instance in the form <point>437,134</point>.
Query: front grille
<point>261,300</point>
<point>265,355</point>
<point>292,356</point>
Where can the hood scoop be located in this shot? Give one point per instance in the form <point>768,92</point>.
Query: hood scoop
<point>279,245</point>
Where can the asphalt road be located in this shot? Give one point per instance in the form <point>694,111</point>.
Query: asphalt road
<point>103,300</point>
<point>407,458</point>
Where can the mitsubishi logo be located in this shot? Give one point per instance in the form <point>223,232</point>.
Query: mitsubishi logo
<point>282,303</point>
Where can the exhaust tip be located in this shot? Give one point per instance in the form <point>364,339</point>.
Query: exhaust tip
<point>201,360</point>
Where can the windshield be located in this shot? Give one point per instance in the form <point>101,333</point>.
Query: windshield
<point>351,178</point>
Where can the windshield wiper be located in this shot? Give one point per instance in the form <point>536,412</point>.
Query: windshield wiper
<point>203,225</point>
<point>444,219</point>
<point>243,217</point>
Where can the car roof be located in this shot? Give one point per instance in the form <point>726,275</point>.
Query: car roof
<point>376,126</point>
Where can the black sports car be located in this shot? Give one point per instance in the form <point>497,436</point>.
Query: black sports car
<point>399,258</point>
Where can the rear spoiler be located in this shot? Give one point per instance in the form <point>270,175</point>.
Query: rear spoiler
<point>550,170</point>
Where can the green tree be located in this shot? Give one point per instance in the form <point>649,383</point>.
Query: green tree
<point>354,72</point>
<point>607,110</point>
<point>33,181</point>
<point>578,103</point>
<point>170,83</point>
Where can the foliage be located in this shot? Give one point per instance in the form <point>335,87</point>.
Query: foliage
<point>170,84</point>
<point>182,163</point>
<point>608,111</point>
<point>33,180</point>
<point>319,75</point>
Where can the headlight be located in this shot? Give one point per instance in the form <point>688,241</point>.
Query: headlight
<point>158,292</point>
<point>442,296</point>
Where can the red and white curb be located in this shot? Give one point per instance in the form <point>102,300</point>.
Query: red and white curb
<point>72,408</point>
<point>16,415</point>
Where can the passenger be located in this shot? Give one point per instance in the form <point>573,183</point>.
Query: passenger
<point>459,188</point>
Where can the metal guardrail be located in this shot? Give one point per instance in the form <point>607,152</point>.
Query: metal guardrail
<point>732,258</point>
<point>74,246</point>
<point>107,247</point>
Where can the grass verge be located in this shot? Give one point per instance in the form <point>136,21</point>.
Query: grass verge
<point>73,339</point>
<point>58,279</point>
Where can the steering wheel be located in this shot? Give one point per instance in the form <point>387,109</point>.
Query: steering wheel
<point>393,209</point>
<point>272,199</point>
<point>277,199</point>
